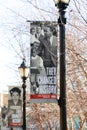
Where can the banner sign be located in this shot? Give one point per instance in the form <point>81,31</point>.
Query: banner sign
<point>14,114</point>
<point>43,61</point>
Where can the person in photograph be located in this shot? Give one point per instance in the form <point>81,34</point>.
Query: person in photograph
<point>37,67</point>
<point>48,48</point>
<point>14,104</point>
<point>15,94</point>
<point>35,59</point>
<point>32,35</point>
<point>39,32</point>
<point>54,30</point>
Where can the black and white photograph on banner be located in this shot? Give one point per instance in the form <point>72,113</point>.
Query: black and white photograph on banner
<point>14,114</point>
<point>43,60</point>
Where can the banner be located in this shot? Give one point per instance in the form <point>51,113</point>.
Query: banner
<point>43,61</point>
<point>14,114</point>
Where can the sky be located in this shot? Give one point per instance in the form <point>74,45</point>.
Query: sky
<point>13,16</point>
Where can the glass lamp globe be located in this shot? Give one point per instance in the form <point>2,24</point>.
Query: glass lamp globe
<point>23,69</point>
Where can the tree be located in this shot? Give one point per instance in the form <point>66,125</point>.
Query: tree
<point>76,51</point>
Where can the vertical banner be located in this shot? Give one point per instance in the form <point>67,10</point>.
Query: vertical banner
<point>43,61</point>
<point>14,114</point>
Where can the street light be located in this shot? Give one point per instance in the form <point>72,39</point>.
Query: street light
<point>57,2</point>
<point>62,5</point>
<point>24,71</point>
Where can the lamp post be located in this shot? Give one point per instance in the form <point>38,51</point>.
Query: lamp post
<point>62,5</point>
<point>24,71</point>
